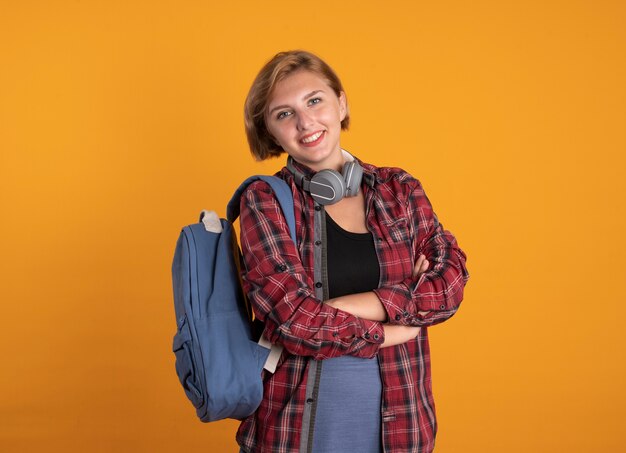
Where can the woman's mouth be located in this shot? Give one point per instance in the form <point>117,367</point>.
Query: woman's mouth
<point>313,139</point>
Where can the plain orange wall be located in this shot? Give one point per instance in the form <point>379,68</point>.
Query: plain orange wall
<point>121,120</point>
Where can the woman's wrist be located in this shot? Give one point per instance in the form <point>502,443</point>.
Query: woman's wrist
<point>396,334</point>
<point>362,305</point>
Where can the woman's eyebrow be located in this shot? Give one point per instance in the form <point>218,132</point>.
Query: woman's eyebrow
<point>284,106</point>
<point>312,93</point>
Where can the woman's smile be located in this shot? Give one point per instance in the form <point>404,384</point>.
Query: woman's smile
<point>313,139</point>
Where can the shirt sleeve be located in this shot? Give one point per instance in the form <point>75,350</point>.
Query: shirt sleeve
<point>436,295</point>
<point>280,291</point>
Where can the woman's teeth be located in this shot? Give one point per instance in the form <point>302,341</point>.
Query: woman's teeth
<point>312,138</point>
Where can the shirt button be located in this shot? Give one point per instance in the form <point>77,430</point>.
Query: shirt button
<point>406,314</point>
<point>379,239</point>
<point>367,335</point>
<point>318,285</point>
<point>398,317</point>
<point>376,336</point>
<point>309,400</point>
<point>282,268</point>
<point>318,208</point>
<point>318,242</point>
<point>442,306</point>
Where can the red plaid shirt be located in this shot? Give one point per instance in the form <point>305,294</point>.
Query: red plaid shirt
<point>278,279</point>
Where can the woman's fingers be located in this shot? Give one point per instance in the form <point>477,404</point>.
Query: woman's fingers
<point>420,266</point>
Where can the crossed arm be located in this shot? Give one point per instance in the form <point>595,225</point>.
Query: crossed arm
<point>281,291</point>
<point>368,306</point>
<point>434,291</point>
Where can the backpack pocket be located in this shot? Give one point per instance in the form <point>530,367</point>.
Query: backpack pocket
<point>186,365</point>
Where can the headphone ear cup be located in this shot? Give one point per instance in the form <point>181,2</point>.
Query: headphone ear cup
<point>352,173</point>
<point>327,187</point>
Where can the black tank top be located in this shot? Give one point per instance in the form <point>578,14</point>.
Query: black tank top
<point>351,261</point>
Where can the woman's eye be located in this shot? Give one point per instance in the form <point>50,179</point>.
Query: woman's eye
<point>315,101</point>
<point>282,115</point>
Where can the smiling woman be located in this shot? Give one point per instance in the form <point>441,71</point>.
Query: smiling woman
<point>257,108</point>
<point>350,303</point>
<point>304,119</point>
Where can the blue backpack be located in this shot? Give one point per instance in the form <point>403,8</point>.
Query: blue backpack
<point>218,362</point>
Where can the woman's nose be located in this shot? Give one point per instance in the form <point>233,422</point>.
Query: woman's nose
<point>304,120</point>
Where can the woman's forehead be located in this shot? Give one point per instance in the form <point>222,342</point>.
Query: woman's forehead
<point>298,85</point>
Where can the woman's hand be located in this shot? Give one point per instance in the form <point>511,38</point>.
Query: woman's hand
<point>421,266</point>
<point>395,335</point>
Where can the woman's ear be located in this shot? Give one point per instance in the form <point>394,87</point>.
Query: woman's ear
<point>343,105</point>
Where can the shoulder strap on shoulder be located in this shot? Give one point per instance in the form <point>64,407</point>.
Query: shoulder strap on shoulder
<point>283,195</point>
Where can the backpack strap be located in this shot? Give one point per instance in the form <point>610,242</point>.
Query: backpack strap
<point>285,199</point>
<point>283,195</point>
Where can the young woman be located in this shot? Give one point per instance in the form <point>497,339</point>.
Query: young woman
<point>351,303</point>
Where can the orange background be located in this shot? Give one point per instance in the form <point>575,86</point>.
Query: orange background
<point>120,121</point>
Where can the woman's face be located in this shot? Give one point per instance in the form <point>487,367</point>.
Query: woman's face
<point>304,117</point>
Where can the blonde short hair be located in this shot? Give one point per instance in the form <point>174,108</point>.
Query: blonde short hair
<point>262,145</point>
